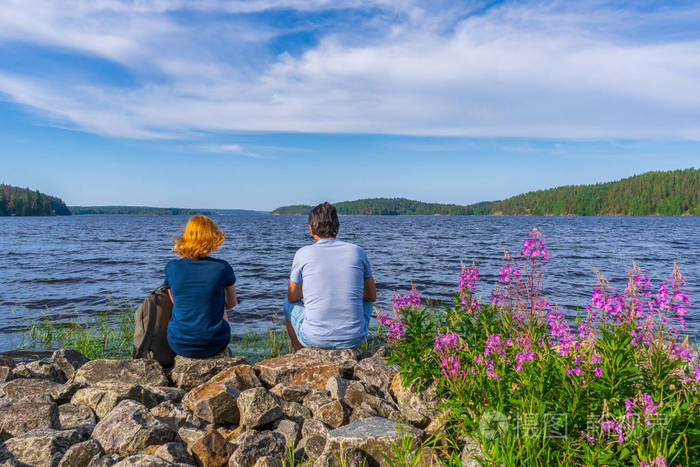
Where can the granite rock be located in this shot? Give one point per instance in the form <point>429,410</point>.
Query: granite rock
<point>296,369</point>
<point>105,395</point>
<point>80,455</point>
<point>188,373</point>
<point>375,371</point>
<point>258,407</point>
<point>145,372</point>
<point>72,415</point>
<point>253,445</point>
<point>174,452</point>
<point>214,402</point>
<point>129,428</point>
<point>212,450</point>
<point>241,377</point>
<point>40,448</point>
<point>24,416</point>
<point>68,361</point>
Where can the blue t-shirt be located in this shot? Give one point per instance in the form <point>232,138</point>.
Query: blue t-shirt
<point>333,276</point>
<point>197,328</point>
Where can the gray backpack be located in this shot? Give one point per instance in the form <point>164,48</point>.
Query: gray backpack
<point>151,328</point>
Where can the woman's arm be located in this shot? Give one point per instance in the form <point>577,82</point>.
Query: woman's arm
<point>231,299</point>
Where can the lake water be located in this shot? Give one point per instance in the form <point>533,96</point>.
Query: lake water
<point>72,267</point>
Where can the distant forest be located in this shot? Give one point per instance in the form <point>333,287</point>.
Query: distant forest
<point>15,201</point>
<point>394,207</point>
<point>671,193</point>
<point>151,211</point>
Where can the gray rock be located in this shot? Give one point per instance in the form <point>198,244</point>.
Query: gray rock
<point>258,407</point>
<point>187,373</point>
<point>295,411</point>
<point>313,427</point>
<point>190,435</point>
<point>72,415</point>
<point>5,374</point>
<point>129,428</point>
<point>80,455</point>
<point>253,445</point>
<point>24,388</point>
<point>145,372</point>
<point>362,411</point>
<point>327,410</point>
<point>173,415</point>
<point>372,436</point>
<point>213,402</point>
<point>105,395</point>
<point>471,453</point>
<point>21,417</point>
<point>68,361</point>
<point>375,371</point>
<point>292,393</point>
<point>39,370</point>
<point>337,386</point>
<point>174,452</point>
<point>344,359</point>
<point>41,448</point>
<point>290,430</point>
<point>296,369</point>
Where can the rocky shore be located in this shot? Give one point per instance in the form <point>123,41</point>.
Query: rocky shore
<point>324,406</point>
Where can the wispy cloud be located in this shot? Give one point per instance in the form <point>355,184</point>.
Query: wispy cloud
<point>539,69</point>
<point>231,149</point>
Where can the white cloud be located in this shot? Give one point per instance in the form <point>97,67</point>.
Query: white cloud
<point>530,70</point>
<point>231,148</point>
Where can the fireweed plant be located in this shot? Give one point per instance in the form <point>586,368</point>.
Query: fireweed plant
<point>621,386</point>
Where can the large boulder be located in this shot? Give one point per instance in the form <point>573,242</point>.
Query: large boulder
<point>143,460</point>
<point>213,402</point>
<point>295,411</point>
<point>72,415</point>
<point>344,359</point>
<point>241,377</point>
<point>38,369</point>
<point>296,369</point>
<point>68,361</point>
<point>23,388</point>
<point>372,437</point>
<point>166,393</point>
<point>187,373</point>
<point>258,407</point>
<point>253,445</point>
<point>129,428</point>
<point>290,430</point>
<point>212,450</point>
<point>145,372</point>
<point>80,455</point>
<point>375,371</point>
<point>105,395</point>
<point>21,417</point>
<point>40,448</point>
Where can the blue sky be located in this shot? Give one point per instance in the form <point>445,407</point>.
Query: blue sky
<point>260,103</point>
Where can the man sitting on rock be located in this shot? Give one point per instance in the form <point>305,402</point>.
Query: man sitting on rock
<point>331,289</point>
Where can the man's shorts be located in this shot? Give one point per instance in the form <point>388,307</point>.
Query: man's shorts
<point>295,313</point>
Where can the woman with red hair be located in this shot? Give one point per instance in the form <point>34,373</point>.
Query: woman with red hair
<point>202,289</point>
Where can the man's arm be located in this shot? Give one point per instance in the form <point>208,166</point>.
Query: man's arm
<point>294,292</point>
<point>369,294</point>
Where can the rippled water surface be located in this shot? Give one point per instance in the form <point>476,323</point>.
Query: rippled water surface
<point>70,267</point>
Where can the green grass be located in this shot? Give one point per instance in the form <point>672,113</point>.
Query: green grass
<point>110,335</point>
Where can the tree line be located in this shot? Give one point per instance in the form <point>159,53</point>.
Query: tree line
<point>394,207</point>
<point>670,193</point>
<point>15,201</point>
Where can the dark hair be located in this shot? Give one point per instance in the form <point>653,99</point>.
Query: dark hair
<point>323,220</point>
